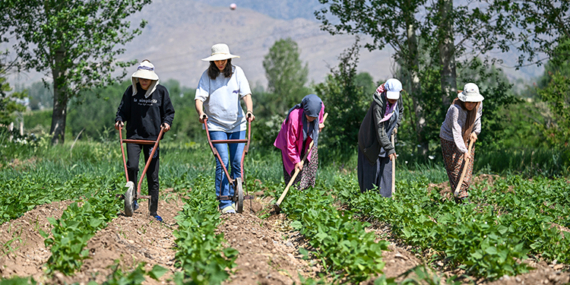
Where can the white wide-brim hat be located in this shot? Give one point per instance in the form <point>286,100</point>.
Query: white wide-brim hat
<point>220,52</point>
<point>470,93</point>
<point>145,70</point>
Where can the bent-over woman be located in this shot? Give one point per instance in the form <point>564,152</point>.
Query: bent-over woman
<point>375,150</point>
<point>299,129</point>
<point>220,88</point>
<point>462,124</point>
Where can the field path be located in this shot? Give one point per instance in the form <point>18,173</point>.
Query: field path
<point>132,240</point>
<point>268,248</point>
<point>23,252</point>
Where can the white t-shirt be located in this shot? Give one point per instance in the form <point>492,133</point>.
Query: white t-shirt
<point>221,100</point>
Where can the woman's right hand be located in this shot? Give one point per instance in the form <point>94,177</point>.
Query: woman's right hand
<point>466,156</point>
<point>201,117</point>
<point>299,166</point>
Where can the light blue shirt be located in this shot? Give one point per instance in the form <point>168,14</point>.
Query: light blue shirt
<point>221,100</point>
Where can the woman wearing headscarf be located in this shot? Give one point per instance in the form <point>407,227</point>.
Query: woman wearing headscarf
<point>375,150</point>
<point>146,107</point>
<point>220,88</point>
<point>302,126</point>
<point>461,126</point>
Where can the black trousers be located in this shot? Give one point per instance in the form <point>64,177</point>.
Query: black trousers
<point>133,154</point>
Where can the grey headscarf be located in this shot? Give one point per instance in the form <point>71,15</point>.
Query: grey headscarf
<point>311,105</point>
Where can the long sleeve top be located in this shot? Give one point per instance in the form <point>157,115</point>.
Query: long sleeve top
<point>144,115</point>
<point>451,129</point>
<point>290,138</point>
<point>373,132</point>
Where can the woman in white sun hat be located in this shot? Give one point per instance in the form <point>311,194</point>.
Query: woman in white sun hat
<point>375,150</point>
<point>462,125</point>
<point>217,97</point>
<point>146,107</point>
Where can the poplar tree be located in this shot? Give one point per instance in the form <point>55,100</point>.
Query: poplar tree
<point>73,41</point>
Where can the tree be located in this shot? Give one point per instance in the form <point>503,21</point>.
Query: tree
<point>74,41</point>
<point>347,102</point>
<point>393,23</point>
<point>542,27</point>
<point>9,101</point>
<point>286,75</point>
<point>428,37</point>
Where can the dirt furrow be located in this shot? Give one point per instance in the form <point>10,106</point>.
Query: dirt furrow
<point>268,249</point>
<point>23,252</point>
<point>132,240</point>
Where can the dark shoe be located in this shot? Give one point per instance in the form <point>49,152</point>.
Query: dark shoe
<point>157,217</point>
<point>135,205</point>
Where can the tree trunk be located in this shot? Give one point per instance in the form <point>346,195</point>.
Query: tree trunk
<point>416,92</point>
<point>59,99</point>
<point>447,53</point>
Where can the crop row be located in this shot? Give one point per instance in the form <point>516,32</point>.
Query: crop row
<point>347,251</point>
<point>78,223</point>
<point>201,254</point>
<point>117,277</point>
<point>22,194</point>
<point>488,237</point>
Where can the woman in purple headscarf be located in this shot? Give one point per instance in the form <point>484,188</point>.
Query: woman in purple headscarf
<point>300,128</point>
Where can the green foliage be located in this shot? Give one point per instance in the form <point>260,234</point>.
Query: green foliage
<point>74,40</point>
<point>102,103</point>
<point>134,277</point>
<point>286,76</point>
<point>78,223</point>
<point>8,101</point>
<point>540,27</point>
<point>488,237</point>
<point>347,251</point>
<point>201,254</point>
<point>18,281</point>
<point>347,104</point>
<point>557,96</point>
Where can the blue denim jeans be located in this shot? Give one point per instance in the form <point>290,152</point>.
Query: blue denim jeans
<point>235,154</point>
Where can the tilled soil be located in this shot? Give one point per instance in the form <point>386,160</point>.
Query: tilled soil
<point>268,249</point>
<point>132,240</point>
<point>129,240</point>
<point>23,252</point>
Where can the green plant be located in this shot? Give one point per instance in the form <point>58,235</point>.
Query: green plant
<point>134,277</point>
<point>201,254</point>
<point>77,225</point>
<point>347,251</point>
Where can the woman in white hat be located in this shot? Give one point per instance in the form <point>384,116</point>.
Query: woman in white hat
<point>462,124</point>
<point>217,97</point>
<point>146,107</point>
<point>375,150</point>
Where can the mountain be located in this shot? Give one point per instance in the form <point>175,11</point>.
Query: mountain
<point>278,9</point>
<point>180,33</point>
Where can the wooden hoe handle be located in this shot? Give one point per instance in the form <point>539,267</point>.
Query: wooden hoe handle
<point>464,170</point>
<point>393,169</point>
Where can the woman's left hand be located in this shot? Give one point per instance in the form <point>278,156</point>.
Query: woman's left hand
<point>473,137</point>
<point>166,127</point>
<point>321,126</point>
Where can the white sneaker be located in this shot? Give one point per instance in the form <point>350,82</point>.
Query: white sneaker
<point>229,210</point>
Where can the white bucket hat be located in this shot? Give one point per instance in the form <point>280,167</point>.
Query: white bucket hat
<point>470,93</point>
<point>393,88</point>
<point>220,52</point>
<point>145,70</point>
